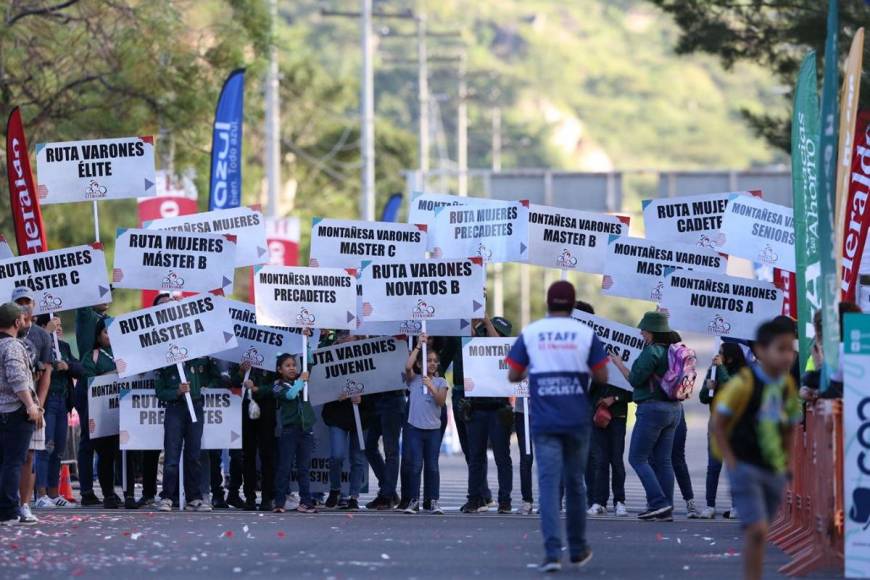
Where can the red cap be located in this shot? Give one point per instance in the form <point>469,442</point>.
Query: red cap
<point>561,296</point>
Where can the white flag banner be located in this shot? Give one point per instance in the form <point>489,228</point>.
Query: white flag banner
<point>306,297</point>
<point>424,290</point>
<point>104,397</point>
<point>258,345</point>
<point>361,367</point>
<point>760,231</point>
<point>5,250</point>
<point>247,224</point>
<point>495,232</point>
<point>690,219</point>
<point>174,332</point>
<point>635,267</point>
<point>485,370</point>
<point>60,279</point>
<point>142,415</point>
<point>346,243</point>
<point>718,305</point>
<point>571,239</point>
<point>95,170</point>
<point>422,208</point>
<point>455,327</point>
<point>173,261</point>
<point>620,340</point>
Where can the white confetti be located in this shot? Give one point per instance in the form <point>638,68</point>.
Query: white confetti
<point>679,541</point>
<point>385,556</point>
<point>135,535</point>
<point>245,528</point>
<point>685,567</point>
<point>237,569</point>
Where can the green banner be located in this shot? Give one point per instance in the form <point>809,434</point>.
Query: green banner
<point>827,184</point>
<point>804,172</point>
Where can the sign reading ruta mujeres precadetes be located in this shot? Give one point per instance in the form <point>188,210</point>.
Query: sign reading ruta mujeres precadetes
<point>718,305</point>
<point>306,297</point>
<point>495,232</point>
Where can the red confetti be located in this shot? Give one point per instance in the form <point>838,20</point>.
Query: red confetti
<point>13,546</point>
<point>126,534</point>
<point>281,534</point>
<point>659,536</point>
<point>78,572</point>
<point>228,534</point>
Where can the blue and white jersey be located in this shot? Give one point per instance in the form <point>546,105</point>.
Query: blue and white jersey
<point>560,354</point>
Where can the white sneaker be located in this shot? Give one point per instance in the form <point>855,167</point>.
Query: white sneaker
<point>292,501</point>
<point>197,505</point>
<point>413,507</point>
<point>61,502</point>
<point>25,516</point>
<point>596,510</point>
<point>46,503</point>
<point>164,505</point>
<point>693,513</point>
<point>526,508</point>
<point>621,511</point>
<point>708,514</point>
<point>730,514</point>
<point>436,509</point>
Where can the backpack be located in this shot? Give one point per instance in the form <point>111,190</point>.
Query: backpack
<point>678,382</point>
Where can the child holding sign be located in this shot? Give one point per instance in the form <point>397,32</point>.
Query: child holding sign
<point>423,431</point>
<point>295,436</point>
<point>258,438</point>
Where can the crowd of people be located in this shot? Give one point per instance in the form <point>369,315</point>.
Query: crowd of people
<point>578,426</point>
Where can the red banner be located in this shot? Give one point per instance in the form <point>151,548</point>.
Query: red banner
<point>857,214</point>
<point>29,229</point>
<point>785,281</point>
<point>282,239</point>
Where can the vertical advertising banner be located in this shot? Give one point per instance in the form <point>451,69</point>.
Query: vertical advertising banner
<point>29,229</point>
<point>857,214</point>
<point>225,185</point>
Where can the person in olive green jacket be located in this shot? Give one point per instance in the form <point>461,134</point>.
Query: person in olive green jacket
<point>179,432</point>
<point>295,436</point>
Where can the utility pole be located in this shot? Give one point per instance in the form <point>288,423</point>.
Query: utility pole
<point>367,115</point>
<point>423,95</point>
<point>498,270</point>
<point>273,119</point>
<point>462,130</point>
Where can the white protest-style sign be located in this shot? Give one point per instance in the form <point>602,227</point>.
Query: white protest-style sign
<point>422,208</point>
<point>360,367</point>
<point>620,340</point>
<point>60,279</point>
<point>570,239</point>
<point>718,305</point>
<point>759,231</point>
<point>303,297</point>
<point>345,243</point>
<point>424,290</point>
<point>495,232</point>
<point>174,332</point>
<point>173,261</point>
<point>635,267</point>
<point>142,415</point>
<point>104,397</point>
<point>258,345</point>
<point>5,250</point>
<point>247,224</point>
<point>95,170</point>
<point>691,219</point>
<point>485,370</point>
<point>455,327</point>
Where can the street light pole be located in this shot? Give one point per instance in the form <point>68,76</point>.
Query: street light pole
<point>462,130</point>
<point>423,95</point>
<point>273,120</point>
<point>367,114</point>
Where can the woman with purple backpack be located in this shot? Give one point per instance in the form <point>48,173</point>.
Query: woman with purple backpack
<point>658,411</point>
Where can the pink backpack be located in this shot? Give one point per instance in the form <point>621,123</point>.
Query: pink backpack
<point>679,380</point>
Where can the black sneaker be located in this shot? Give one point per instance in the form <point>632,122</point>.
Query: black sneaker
<point>375,503</point>
<point>352,505</point>
<point>427,505</point>
<point>332,500</point>
<point>581,560</point>
<point>653,513</point>
<point>665,517</point>
<point>388,503</point>
<point>394,501</point>
<point>89,498</point>
<point>235,501</point>
<point>505,508</point>
<point>130,503</point>
<point>144,502</point>
<point>219,503</point>
<point>550,566</point>
<point>112,502</point>
<point>403,505</point>
<point>471,507</point>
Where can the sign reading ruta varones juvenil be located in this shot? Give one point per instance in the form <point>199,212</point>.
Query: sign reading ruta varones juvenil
<point>345,243</point>
<point>247,224</point>
<point>485,370</point>
<point>60,279</point>
<point>424,290</point>
<point>718,305</point>
<point>759,231</point>
<point>361,367</point>
<point>495,232</point>
<point>690,219</point>
<point>635,267</point>
<point>95,170</point>
<point>306,297</point>
<point>620,341</point>
<point>571,239</point>
<point>173,261</point>
<point>174,332</point>
<point>258,345</point>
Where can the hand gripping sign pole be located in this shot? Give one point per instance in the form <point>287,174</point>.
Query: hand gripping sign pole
<point>56,345</point>
<point>96,221</point>
<point>305,363</point>
<point>183,377</point>
<point>359,429</point>
<point>424,366</point>
<point>526,425</point>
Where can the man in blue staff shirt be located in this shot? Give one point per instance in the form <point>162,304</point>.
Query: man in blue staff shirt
<point>560,356</point>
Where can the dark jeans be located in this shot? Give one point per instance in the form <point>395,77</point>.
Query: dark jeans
<point>294,450</point>
<point>180,435</point>
<point>714,468</point>
<point>462,433</point>
<point>678,458</point>
<point>258,440</point>
<point>562,457</point>
<point>211,474</point>
<point>146,463</point>
<point>652,442</point>
<point>387,424</point>
<point>85,459</point>
<point>526,459</point>
<point>56,424</point>
<point>237,471</point>
<point>424,446</point>
<point>608,447</point>
<point>345,444</point>
<point>107,454</point>
<point>487,425</point>
<point>15,434</point>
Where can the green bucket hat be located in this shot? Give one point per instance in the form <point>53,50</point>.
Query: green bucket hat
<point>654,322</point>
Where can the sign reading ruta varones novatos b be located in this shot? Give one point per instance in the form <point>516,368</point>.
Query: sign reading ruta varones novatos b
<point>95,170</point>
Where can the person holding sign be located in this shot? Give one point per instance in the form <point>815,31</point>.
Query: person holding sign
<point>296,439</point>
<point>423,431</point>
<point>99,362</point>
<point>65,369</point>
<point>180,434</point>
<point>560,355</point>
<point>344,442</point>
<point>258,438</point>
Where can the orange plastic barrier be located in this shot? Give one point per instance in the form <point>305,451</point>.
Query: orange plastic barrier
<point>65,488</point>
<point>809,526</point>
